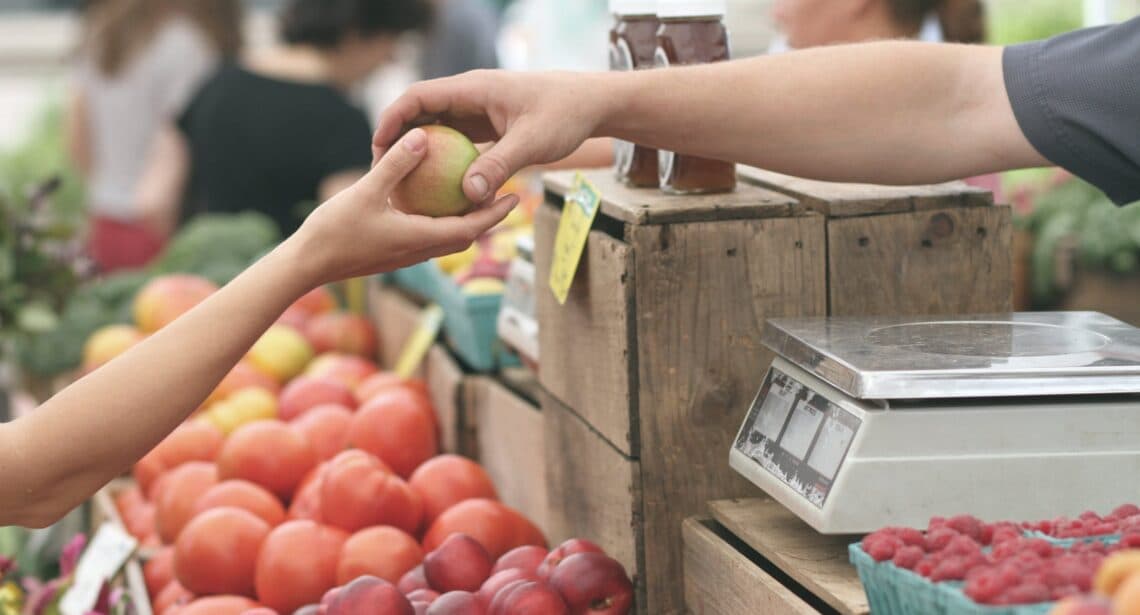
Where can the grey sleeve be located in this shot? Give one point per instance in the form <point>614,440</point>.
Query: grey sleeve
<point>1077,99</point>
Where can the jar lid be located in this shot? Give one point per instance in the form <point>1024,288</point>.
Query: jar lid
<point>633,7</point>
<point>690,8</point>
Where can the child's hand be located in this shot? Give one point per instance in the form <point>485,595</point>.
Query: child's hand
<point>358,232</point>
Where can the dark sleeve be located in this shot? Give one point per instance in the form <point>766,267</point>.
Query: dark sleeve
<point>348,142</point>
<point>1077,99</point>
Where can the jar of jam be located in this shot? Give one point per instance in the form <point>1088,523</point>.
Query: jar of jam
<point>692,32</point>
<point>633,44</point>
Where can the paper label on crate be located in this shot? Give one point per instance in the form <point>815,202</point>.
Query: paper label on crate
<point>578,213</point>
<point>415,349</point>
<point>798,436</point>
<point>100,562</point>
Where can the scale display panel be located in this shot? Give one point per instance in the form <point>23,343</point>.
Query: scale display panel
<point>797,435</point>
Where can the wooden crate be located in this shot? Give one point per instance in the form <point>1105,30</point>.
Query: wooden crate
<point>505,434</point>
<point>103,511</point>
<point>656,353</point>
<point>754,556</point>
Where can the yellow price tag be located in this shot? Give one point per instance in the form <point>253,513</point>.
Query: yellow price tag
<point>431,319</point>
<point>578,213</point>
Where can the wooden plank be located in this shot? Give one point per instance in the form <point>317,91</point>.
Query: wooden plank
<point>839,200</point>
<point>704,291</point>
<point>593,491</point>
<point>719,580</point>
<point>395,316</point>
<point>816,561</point>
<point>509,444</point>
<point>444,379</point>
<point>949,261</point>
<point>586,361</point>
<point>651,206</point>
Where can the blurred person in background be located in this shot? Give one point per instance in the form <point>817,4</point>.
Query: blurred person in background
<point>276,132</point>
<point>462,38</point>
<point>814,23</point>
<point>140,61</point>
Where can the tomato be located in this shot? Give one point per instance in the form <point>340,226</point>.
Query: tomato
<point>158,571</point>
<point>269,454</point>
<point>245,495</point>
<point>297,564</point>
<point>359,492</point>
<point>216,552</point>
<point>498,527</point>
<point>176,500</point>
<point>326,429</point>
<point>384,552</point>
<point>446,480</point>
<point>219,605</point>
<point>396,425</point>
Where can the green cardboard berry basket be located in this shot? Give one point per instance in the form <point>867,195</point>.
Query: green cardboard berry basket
<point>1107,539</point>
<point>896,591</point>
<point>470,322</point>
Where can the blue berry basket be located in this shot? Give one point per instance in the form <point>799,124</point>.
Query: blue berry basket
<point>1066,543</point>
<point>896,591</point>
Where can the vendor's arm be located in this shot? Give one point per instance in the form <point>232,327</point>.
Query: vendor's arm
<point>889,112</point>
<point>60,454</point>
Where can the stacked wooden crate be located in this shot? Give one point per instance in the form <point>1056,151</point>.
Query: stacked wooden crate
<point>649,366</point>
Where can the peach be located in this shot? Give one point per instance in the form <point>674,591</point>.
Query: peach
<point>563,551</point>
<point>459,564</point>
<point>242,408</point>
<point>1126,599</point>
<point>342,332</point>
<point>307,392</point>
<point>492,586</point>
<point>458,603</point>
<point>1082,605</point>
<point>166,298</point>
<point>531,598</point>
<point>413,580</point>
<point>108,343</point>
<point>423,595</point>
<point>243,376</point>
<point>281,352</point>
<point>526,558</point>
<point>370,595</point>
<point>1114,570</point>
<point>593,583</point>
<point>435,187</point>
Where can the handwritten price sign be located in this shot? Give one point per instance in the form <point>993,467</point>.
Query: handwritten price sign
<point>578,213</point>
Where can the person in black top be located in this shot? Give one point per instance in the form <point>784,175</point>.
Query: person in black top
<point>276,133</point>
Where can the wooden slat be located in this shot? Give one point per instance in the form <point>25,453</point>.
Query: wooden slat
<point>950,261</point>
<point>586,358</point>
<point>816,561</point>
<point>509,439</point>
<point>444,380</point>
<point>704,291</point>
<point>719,580</point>
<point>839,200</point>
<point>395,316</point>
<point>592,489</point>
<point>651,206</point>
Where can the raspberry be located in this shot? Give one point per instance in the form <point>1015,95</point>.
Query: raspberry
<point>1040,547</point>
<point>1089,515</point>
<point>938,538</point>
<point>1027,593</point>
<point>968,525</point>
<point>1130,541</point>
<point>1124,511</point>
<point>950,569</point>
<point>984,588</point>
<point>1004,534</point>
<point>908,556</point>
<point>912,537</point>
<point>1103,528</point>
<point>1008,548</point>
<point>881,547</point>
<point>962,545</point>
<point>926,567</point>
<point>935,523</point>
<point>1069,570</point>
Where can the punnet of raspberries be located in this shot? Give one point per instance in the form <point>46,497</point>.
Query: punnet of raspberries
<point>998,563</point>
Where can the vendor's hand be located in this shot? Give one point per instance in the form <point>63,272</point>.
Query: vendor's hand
<point>533,118</point>
<point>358,232</point>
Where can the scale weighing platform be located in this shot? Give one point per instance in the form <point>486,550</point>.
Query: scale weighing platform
<point>863,423</point>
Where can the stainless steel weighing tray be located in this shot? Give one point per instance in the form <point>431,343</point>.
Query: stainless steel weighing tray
<point>995,355</point>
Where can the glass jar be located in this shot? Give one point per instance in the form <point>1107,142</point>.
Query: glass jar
<point>633,45</point>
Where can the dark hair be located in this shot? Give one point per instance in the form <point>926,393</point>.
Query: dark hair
<point>963,21</point>
<point>325,23</point>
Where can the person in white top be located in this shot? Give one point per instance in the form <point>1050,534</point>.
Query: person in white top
<point>140,62</point>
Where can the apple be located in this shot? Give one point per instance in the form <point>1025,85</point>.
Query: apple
<point>530,598</point>
<point>527,557</point>
<point>459,564</point>
<point>342,332</point>
<point>372,595</point>
<point>423,595</point>
<point>457,603</point>
<point>435,187</point>
<point>499,580</point>
<point>563,551</point>
<point>591,583</point>
<point>412,580</point>
<point>307,392</point>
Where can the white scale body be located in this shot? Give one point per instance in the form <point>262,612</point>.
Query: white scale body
<point>863,423</point>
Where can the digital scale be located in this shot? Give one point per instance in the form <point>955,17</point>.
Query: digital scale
<point>863,423</point>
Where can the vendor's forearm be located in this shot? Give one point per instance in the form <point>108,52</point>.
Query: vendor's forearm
<point>115,415</point>
<point>894,112</point>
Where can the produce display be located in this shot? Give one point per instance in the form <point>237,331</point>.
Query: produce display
<point>311,481</point>
<point>1091,564</point>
